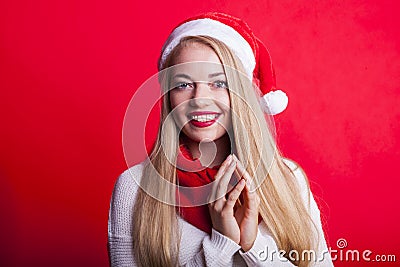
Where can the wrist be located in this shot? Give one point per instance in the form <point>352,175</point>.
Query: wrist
<point>246,247</point>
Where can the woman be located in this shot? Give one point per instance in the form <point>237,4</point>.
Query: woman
<point>215,191</point>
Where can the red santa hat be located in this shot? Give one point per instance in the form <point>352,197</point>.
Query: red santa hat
<point>238,36</point>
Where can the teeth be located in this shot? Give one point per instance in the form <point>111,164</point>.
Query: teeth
<point>204,118</point>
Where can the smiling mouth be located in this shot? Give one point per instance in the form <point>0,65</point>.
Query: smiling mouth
<point>204,118</point>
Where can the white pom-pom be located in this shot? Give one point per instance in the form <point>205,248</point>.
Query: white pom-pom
<point>274,102</point>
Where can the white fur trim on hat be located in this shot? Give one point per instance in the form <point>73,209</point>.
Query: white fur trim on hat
<point>274,102</point>
<point>215,29</point>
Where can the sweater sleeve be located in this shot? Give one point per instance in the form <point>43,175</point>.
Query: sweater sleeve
<point>217,250</point>
<point>120,241</point>
<point>265,251</point>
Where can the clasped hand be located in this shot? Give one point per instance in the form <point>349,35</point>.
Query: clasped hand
<point>234,216</point>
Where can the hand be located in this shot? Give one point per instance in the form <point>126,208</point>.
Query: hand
<point>247,212</point>
<point>221,210</point>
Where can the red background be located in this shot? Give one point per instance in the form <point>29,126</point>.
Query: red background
<point>68,70</point>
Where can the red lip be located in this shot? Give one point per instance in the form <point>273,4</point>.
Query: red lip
<point>202,124</point>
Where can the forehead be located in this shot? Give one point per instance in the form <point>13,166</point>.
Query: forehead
<point>197,60</point>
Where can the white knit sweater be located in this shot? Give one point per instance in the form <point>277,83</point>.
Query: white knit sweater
<point>197,248</point>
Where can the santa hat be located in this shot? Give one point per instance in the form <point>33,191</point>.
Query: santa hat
<point>238,36</point>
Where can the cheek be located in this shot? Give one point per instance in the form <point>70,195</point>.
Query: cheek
<point>173,100</point>
<point>176,99</point>
<point>178,107</point>
<point>227,107</point>
<point>224,104</point>
<point>224,101</point>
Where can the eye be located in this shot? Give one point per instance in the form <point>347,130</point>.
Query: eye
<point>220,84</point>
<point>183,85</point>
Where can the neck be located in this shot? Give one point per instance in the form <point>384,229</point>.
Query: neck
<point>211,153</point>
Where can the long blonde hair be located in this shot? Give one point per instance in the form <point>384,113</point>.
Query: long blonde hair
<point>155,224</point>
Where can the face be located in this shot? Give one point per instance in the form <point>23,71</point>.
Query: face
<point>200,98</point>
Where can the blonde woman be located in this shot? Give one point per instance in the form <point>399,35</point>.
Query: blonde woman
<point>215,190</point>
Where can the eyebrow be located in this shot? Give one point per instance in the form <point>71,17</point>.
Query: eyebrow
<point>182,76</point>
<point>212,75</point>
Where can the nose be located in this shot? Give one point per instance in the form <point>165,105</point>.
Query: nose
<point>201,96</point>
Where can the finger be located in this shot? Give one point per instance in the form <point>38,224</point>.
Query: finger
<point>238,203</point>
<point>220,173</point>
<point>251,199</point>
<point>234,194</point>
<point>248,193</point>
<point>242,172</point>
<point>223,167</point>
<point>222,187</point>
<point>235,178</point>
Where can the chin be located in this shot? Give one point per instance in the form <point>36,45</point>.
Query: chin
<point>205,137</point>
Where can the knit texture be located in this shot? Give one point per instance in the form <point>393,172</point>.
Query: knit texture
<point>198,248</point>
